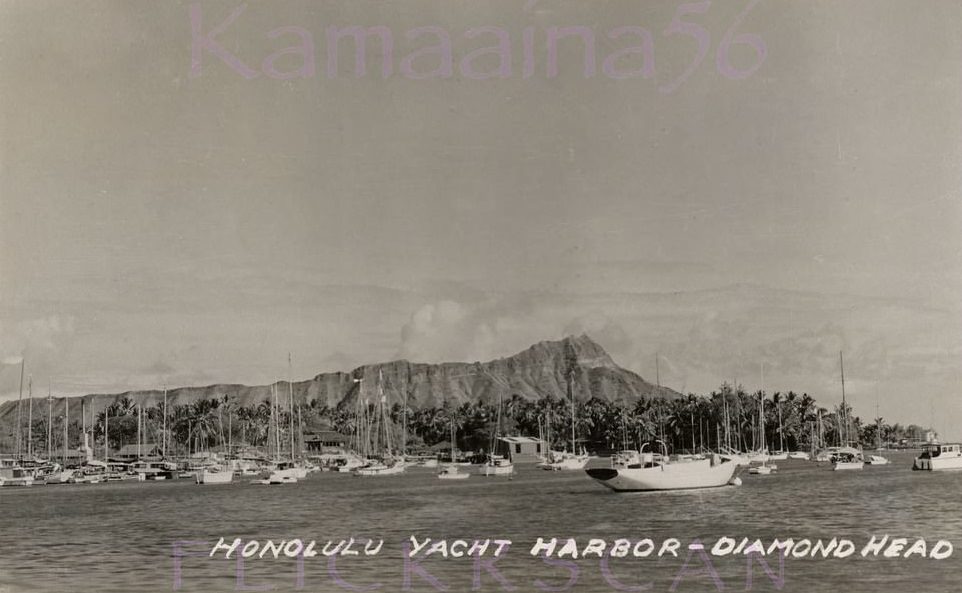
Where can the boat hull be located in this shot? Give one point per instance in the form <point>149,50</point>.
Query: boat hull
<point>496,469</point>
<point>938,464</point>
<point>214,477</point>
<point>671,476</point>
<point>847,465</point>
<point>380,470</point>
<point>567,464</point>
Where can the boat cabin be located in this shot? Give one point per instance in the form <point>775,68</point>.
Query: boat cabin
<point>941,450</point>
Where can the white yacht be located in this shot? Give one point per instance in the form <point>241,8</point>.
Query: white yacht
<point>214,475</point>
<point>939,457</point>
<point>660,473</point>
<point>13,474</point>
<point>848,458</point>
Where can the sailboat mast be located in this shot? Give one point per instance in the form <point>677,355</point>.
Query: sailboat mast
<point>230,430</point>
<point>728,442</point>
<point>571,392</point>
<point>843,433</point>
<point>30,417</point>
<point>277,439</point>
<point>290,404</point>
<point>19,416</point>
<point>781,432</point>
<point>404,425</point>
<point>140,410</point>
<point>165,423</point>
<point>49,422</point>
<point>66,423</point>
<point>878,426</point>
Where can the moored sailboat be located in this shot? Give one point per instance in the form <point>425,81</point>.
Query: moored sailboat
<point>452,471</point>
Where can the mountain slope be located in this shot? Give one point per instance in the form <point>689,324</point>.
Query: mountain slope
<point>536,372</point>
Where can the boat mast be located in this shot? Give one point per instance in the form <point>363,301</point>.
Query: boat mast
<point>781,432</point>
<point>19,416</point>
<point>843,432</point>
<point>49,422</point>
<point>30,417</point>
<point>571,392</point>
<point>165,423</point>
<point>728,442</point>
<point>230,430</point>
<point>290,390</point>
<point>878,426</point>
<point>277,438</point>
<point>66,422</point>
<point>761,419</point>
<point>140,409</point>
<point>404,425</point>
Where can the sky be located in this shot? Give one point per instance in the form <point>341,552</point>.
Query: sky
<point>169,221</point>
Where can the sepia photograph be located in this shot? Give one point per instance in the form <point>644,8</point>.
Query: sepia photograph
<point>480,295</point>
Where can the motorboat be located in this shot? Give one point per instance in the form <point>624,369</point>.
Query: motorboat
<point>876,460</point>
<point>798,455</point>
<point>939,457</point>
<point>292,468</point>
<point>13,474</point>
<point>847,458</point>
<point>662,473</point>
<point>155,470</point>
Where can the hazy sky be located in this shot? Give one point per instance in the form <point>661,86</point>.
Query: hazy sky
<point>157,227</point>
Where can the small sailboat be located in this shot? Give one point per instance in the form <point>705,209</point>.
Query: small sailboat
<point>562,460</point>
<point>497,465</point>
<point>847,457</point>
<point>760,465</point>
<point>452,471</point>
<point>388,464</point>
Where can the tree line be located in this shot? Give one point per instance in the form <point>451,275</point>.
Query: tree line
<point>727,417</point>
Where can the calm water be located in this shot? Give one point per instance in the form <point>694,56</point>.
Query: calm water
<point>120,536</point>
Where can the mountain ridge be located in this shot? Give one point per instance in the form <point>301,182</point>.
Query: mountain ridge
<point>541,370</point>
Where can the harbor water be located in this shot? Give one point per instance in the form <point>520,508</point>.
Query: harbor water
<point>145,536</point>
